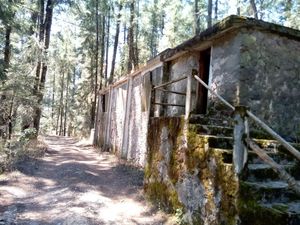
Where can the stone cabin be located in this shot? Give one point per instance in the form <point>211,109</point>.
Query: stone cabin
<point>142,117</point>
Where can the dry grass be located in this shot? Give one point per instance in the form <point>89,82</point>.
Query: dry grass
<point>15,151</point>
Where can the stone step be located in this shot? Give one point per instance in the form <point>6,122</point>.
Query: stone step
<point>221,131</point>
<point>219,142</point>
<point>264,172</point>
<point>269,191</point>
<point>253,158</point>
<point>210,120</point>
<point>270,213</point>
<point>226,154</point>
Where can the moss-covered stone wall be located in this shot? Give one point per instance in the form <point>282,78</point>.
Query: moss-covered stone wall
<point>269,79</point>
<point>183,175</point>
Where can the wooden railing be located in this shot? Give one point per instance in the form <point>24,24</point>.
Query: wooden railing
<point>187,94</point>
<point>242,141</point>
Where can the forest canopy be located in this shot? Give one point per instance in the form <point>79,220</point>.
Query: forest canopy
<point>57,54</point>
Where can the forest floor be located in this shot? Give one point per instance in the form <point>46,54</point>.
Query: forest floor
<point>74,185</point>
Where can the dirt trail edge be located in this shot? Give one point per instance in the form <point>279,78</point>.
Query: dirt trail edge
<point>74,185</point>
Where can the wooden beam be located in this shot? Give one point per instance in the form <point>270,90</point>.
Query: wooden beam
<point>188,99</point>
<point>170,82</point>
<point>174,92</point>
<point>167,104</point>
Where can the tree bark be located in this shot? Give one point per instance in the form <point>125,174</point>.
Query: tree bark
<point>209,13</point>
<point>107,47</point>
<point>95,83</point>
<point>61,103</point>
<point>41,84</point>
<point>102,53</point>
<point>66,104</point>
<point>131,64</point>
<point>254,9</point>
<point>4,116</point>
<point>216,10</point>
<point>154,31</point>
<point>116,42</point>
<point>197,18</point>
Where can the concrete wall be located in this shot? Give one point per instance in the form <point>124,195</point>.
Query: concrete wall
<point>118,107</point>
<point>260,70</point>
<point>138,123</point>
<point>270,79</point>
<point>224,72</point>
<point>123,125</point>
<point>180,67</point>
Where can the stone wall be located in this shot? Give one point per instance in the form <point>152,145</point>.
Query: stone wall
<point>182,175</point>
<point>259,70</point>
<point>224,72</point>
<point>269,79</point>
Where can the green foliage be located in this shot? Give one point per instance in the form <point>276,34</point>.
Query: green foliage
<point>28,134</point>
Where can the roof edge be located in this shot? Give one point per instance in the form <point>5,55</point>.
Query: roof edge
<point>230,23</point>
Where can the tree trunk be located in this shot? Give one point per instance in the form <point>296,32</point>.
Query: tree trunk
<point>216,10</point>
<point>136,29</point>
<point>113,62</point>
<point>238,8</point>
<point>107,47</point>
<point>61,103</point>
<point>53,98</point>
<point>209,13</point>
<point>4,117</point>
<point>197,18</point>
<point>41,84</point>
<point>131,64</point>
<point>102,54</point>
<point>66,104</point>
<point>154,29</point>
<point>254,9</point>
<point>95,83</point>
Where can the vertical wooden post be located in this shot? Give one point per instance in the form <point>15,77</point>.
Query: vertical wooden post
<point>241,130</point>
<point>108,121</point>
<point>124,148</point>
<point>96,127</point>
<point>188,96</point>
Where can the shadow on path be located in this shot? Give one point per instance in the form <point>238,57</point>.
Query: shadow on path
<point>74,185</point>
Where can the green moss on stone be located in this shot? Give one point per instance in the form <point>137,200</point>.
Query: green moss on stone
<point>162,197</point>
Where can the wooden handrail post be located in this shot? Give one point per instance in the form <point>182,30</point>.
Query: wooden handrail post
<point>240,153</point>
<point>188,98</point>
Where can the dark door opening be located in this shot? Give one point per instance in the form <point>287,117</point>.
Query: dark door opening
<point>204,64</point>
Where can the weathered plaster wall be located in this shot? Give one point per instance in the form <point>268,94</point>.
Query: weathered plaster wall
<point>117,117</point>
<point>270,79</point>
<point>138,124</point>
<point>260,70</point>
<point>224,72</point>
<point>183,175</point>
<point>100,135</point>
<point>157,79</point>
<point>180,67</point>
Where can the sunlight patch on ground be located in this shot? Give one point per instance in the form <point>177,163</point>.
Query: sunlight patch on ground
<point>93,196</point>
<point>126,208</point>
<point>15,191</point>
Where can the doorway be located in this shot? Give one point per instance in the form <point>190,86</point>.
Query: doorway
<point>204,64</point>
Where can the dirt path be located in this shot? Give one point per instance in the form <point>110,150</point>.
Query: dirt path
<point>74,185</point>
